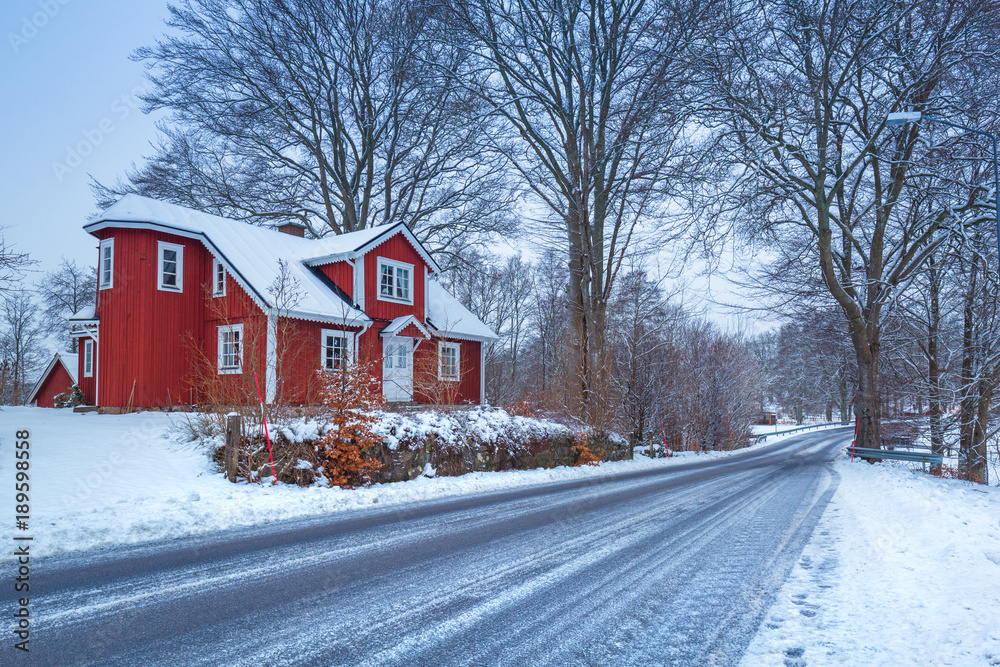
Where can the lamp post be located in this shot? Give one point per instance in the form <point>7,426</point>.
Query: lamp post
<point>904,117</point>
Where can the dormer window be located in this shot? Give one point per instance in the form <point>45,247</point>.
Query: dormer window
<point>395,280</point>
<point>170,267</point>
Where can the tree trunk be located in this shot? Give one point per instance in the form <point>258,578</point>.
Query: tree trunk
<point>868,403</point>
<point>933,368</point>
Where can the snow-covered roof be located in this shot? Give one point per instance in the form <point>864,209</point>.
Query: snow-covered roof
<point>251,254</point>
<point>400,323</point>
<point>69,361</point>
<point>453,320</point>
<point>86,314</point>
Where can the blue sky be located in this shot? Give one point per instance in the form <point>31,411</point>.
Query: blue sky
<point>69,110</point>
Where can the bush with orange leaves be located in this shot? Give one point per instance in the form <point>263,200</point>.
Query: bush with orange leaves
<point>352,396</point>
<point>583,454</point>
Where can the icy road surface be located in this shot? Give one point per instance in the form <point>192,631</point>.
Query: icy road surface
<point>674,566</point>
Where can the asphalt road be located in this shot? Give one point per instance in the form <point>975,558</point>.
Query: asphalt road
<point>672,567</point>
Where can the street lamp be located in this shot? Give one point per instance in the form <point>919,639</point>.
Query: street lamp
<point>904,117</point>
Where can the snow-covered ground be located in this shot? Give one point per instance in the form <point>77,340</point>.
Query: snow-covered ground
<point>903,569</point>
<point>103,480</point>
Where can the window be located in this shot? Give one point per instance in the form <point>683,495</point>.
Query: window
<point>171,269</point>
<point>448,361</point>
<point>107,262</point>
<point>336,349</point>
<point>218,278</point>
<point>396,355</point>
<point>394,280</point>
<point>230,349</point>
<point>88,357</point>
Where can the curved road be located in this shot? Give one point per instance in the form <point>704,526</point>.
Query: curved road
<point>674,566</point>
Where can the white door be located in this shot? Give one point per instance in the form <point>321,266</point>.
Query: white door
<point>397,369</point>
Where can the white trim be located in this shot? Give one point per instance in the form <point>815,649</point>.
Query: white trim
<point>88,343</point>
<point>359,282</point>
<point>106,243</point>
<point>217,265</point>
<point>482,374</point>
<point>427,291</point>
<point>233,370</point>
<point>271,363</point>
<point>445,345</point>
<point>161,246</point>
<point>395,265</point>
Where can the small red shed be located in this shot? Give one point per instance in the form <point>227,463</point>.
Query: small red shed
<point>58,378</point>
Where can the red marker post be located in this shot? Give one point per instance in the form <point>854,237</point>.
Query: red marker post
<point>263,417</point>
<point>857,424</point>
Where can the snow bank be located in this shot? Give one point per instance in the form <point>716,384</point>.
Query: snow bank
<point>103,480</point>
<point>903,569</point>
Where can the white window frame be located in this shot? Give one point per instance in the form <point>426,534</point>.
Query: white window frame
<point>396,266</point>
<point>217,288</point>
<point>107,284</point>
<point>442,346</point>
<point>230,370</point>
<point>88,357</point>
<point>160,247</point>
<point>336,333</point>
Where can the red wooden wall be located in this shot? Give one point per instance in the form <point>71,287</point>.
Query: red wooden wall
<point>341,273</point>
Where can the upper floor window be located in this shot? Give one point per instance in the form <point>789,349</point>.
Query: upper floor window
<point>107,262</point>
<point>448,360</point>
<point>171,267</point>
<point>335,349</point>
<point>230,349</point>
<point>218,278</point>
<point>394,280</point>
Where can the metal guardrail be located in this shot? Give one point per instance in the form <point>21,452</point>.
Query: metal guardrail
<point>897,455</point>
<point>765,436</point>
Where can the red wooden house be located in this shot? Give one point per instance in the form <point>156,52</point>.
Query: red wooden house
<point>192,307</point>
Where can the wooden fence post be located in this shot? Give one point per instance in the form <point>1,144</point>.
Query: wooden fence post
<point>234,430</point>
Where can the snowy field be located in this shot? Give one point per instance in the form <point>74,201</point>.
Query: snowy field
<point>103,480</point>
<point>903,569</point>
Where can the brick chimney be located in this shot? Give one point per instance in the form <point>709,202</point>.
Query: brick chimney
<point>293,228</point>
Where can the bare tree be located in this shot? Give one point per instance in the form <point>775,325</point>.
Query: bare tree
<point>64,292</point>
<point>798,93</point>
<point>330,113</point>
<point>591,89</point>
<point>12,265</point>
<point>21,353</point>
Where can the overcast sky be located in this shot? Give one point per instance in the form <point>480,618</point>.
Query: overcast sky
<point>70,111</point>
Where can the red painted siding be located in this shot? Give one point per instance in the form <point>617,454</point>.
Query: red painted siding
<point>155,346</point>
<point>342,274</point>
<point>399,249</point>
<point>57,382</point>
<point>429,389</point>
